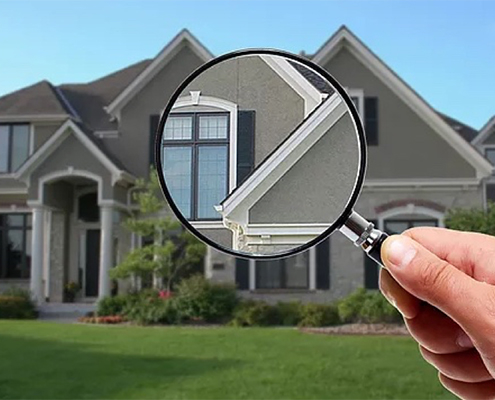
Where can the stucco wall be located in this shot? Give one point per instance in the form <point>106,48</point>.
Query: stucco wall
<point>408,147</point>
<point>316,188</point>
<point>43,131</point>
<point>251,84</point>
<point>133,145</point>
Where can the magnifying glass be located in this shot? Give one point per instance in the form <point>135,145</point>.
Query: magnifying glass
<point>262,154</point>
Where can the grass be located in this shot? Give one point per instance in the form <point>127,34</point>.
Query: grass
<point>56,361</point>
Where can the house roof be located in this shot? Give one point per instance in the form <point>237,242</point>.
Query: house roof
<point>466,131</point>
<point>316,80</point>
<point>42,98</point>
<point>484,131</point>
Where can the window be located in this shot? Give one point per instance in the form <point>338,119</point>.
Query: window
<point>287,273</point>
<point>14,146</point>
<point>15,246</point>
<point>490,154</point>
<point>395,226</point>
<point>88,209</point>
<point>195,162</point>
<point>490,192</point>
<point>357,97</point>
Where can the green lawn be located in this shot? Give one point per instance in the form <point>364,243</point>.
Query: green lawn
<point>45,360</point>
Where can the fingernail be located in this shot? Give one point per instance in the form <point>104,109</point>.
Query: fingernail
<point>464,340</point>
<point>400,252</point>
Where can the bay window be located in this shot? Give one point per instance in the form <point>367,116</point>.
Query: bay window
<point>195,162</point>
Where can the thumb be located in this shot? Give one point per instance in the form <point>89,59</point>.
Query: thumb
<point>423,274</point>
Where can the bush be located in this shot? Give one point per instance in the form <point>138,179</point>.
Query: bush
<point>153,310</point>
<point>255,313</point>
<point>349,307</point>
<point>198,298</point>
<point>16,303</point>
<point>316,315</point>
<point>113,305</point>
<point>376,309</point>
<point>288,313</point>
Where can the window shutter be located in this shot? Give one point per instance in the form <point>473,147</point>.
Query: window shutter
<point>490,192</point>
<point>371,270</point>
<point>245,144</point>
<point>323,265</point>
<point>371,120</point>
<point>242,273</point>
<point>154,120</point>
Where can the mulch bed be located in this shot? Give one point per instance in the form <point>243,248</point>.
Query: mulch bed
<point>360,329</point>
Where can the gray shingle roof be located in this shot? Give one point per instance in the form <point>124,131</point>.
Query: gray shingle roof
<point>316,80</point>
<point>38,99</point>
<point>467,132</point>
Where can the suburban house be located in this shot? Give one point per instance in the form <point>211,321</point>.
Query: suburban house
<point>70,154</point>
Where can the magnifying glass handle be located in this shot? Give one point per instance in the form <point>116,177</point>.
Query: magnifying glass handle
<point>363,234</point>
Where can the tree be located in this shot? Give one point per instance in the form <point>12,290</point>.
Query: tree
<point>474,219</point>
<point>172,251</point>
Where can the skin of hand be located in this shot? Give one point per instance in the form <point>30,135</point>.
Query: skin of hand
<point>443,283</point>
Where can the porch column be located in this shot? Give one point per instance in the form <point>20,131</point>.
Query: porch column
<point>36,282</point>
<point>106,250</point>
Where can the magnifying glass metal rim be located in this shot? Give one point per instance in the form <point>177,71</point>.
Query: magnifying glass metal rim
<point>348,210</point>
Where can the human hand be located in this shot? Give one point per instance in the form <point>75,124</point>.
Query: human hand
<point>443,283</point>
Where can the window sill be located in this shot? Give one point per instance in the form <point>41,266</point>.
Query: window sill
<point>14,280</point>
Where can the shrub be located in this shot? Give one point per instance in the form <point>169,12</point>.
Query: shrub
<point>316,315</point>
<point>255,313</point>
<point>349,307</point>
<point>377,309</point>
<point>153,310</point>
<point>113,305</point>
<point>16,303</point>
<point>198,298</point>
<point>289,313</point>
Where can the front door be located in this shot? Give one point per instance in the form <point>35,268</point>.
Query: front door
<point>92,262</point>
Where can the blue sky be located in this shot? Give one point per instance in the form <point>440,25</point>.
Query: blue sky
<point>444,49</point>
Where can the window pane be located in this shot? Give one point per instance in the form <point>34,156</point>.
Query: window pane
<point>15,220</point>
<point>26,272</point>
<point>20,145</point>
<point>490,154</point>
<point>15,245</point>
<point>212,179</point>
<point>4,148</point>
<point>177,172</point>
<point>423,222</point>
<point>213,127</point>
<point>296,271</point>
<point>178,128</point>
<point>269,274</point>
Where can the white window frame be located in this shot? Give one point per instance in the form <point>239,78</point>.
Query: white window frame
<point>359,94</point>
<point>410,209</point>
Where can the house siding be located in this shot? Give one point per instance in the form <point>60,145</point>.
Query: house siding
<point>408,147</point>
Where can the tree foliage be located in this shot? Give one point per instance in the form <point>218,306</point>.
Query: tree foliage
<point>474,219</point>
<point>172,250</point>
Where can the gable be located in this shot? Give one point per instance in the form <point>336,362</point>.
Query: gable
<point>408,146</point>
<point>490,139</point>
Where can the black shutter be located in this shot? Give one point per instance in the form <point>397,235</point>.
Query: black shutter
<point>323,265</point>
<point>371,120</point>
<point>245,144</point>
<point>371,270</point>
<point>154,119</point>
<point>242,273</point>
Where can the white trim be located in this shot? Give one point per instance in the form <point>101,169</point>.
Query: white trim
<point>107,134</point>
<point>184,38</point>
<point>415,183</point>
<point>235,208</point>
<point>359,94</point>
<point>408,210</point>
<point>56,139</point>
<point>484,132</point>
<point>252,274</point>
<point>13,209</point>
<point>13,190</point>
<point>196,100</point>
<point>34,118</point>
<point>343,37</point>
<point>312,97</point>
<point>207,224</point>
<point>47,251</point>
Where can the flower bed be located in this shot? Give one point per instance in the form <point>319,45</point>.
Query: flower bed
<point>109,319</point>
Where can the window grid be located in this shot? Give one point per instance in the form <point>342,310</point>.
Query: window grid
<point>14,146</point>
<point>15,246</point>
<point>211,135</point>
<point>287,273</point>
<point>397,226</point>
